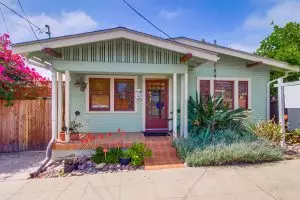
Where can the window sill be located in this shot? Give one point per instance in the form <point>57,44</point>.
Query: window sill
<point>110,112</point>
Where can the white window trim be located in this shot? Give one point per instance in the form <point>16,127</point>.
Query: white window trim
<point>236,90</point>
<point>112,94</point>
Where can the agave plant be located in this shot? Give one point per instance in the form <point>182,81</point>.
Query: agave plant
<point>212,115</point>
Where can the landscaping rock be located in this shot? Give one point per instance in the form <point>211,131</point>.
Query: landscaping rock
<point>76,173</point>
<point>100,166</point>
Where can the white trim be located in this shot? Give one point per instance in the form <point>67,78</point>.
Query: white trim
<point>54,105</point>
<point>235,79</point>
<point>67,104</point>
<point>116,33</point>
<point>112,92</point>
<point>237,53</point>
<point>59,101</point>
<point>182,97</point>
<point>170,102</point>
<point>144,99</point>
<point>186,98</point>
<point>175,105</point>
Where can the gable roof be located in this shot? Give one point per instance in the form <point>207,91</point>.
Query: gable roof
<point>183,45</point>
<point>114,33</point>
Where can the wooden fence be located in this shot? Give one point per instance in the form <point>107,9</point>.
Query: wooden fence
<point>25,126</point>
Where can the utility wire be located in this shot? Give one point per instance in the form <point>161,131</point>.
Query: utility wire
<point>145,18</point>
<point>15,12</point>
<point>37,39</point>
<point>5,24</point>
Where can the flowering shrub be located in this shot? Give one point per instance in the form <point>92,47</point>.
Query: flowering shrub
<point>14,72</point>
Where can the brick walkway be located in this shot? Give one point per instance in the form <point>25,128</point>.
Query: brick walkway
<point>164,154</point>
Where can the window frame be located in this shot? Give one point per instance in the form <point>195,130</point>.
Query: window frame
<point>236,87</point>
<point>112,93</point>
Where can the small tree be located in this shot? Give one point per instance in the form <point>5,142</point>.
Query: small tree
<point>14,73</point>
<point>282,44</point>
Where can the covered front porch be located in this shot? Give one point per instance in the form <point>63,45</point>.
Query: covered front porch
<point>135,102</point>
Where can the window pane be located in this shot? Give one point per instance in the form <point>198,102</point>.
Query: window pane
<point>226,89</point>
<point>99,91</point>
<point>124,95</point>
<point>243,94</point>
<point>205,89</point>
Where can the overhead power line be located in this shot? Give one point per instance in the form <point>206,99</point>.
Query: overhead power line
<point>37,39</point>
<point>145,18</point>
<point>15,12</point>
<point>5,24</point>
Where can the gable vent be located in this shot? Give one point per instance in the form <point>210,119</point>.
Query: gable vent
<point>121,51</point>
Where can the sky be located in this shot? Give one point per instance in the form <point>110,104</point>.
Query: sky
<point>239,24</point>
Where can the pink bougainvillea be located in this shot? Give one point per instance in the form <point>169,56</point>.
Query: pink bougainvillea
<point>14,72</point>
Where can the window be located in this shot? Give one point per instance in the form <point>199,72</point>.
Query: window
<point>243,94</point>
<point>225,89</point>
<point>234,92</point>
<point>99,94</point>
<point>124,95</point>
<point>111,94</point>
<point>205,90</point>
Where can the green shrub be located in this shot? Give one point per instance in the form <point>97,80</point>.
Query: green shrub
<point>293,137</point>
<point>98,156</point>
<point>267,129</point>
<point>138,152</point>
<point>235,153</point>
<point>212,115</point>
<point>112,156</point>
<point>201,141</point>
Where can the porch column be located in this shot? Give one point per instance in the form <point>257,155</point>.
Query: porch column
<point>67,104</point>
<point>185,107</point>
<point>59,101</point>
<point>175,105</point>
<point>182,88</point>
<point>54,104</point>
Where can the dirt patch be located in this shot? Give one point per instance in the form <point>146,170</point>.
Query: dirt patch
<point>18,165</point>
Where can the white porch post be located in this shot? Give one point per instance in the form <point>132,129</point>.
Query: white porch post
<point>59,101</point>
<point>281,109</point>
<point>54,104</point>
<point>186,98</point>
<point>67,104</point>
<point>182,105</point>
<point>174,105</point>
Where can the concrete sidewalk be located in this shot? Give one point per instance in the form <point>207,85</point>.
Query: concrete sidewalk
<point>269,181</point>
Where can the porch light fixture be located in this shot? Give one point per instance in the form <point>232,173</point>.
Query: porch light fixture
<point>81,84</point>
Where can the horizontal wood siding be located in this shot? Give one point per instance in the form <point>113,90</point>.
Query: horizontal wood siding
<point>234,67</point>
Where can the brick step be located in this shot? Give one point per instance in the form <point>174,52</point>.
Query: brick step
<point>162,163</point>
<point>164,152</point>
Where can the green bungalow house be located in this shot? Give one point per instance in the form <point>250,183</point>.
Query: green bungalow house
<point>134,81</point>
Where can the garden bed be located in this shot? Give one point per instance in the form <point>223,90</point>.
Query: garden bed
<point>81,166</point>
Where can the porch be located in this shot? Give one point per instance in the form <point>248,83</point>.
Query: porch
<point>164,154</point>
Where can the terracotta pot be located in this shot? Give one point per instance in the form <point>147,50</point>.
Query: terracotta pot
<point>62,136</point>
<point>74,137</point>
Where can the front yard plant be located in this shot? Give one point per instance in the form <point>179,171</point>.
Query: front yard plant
<point>221,136</point>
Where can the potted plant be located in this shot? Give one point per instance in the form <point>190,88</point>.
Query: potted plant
<point>125,159</point>
<point>62,135</point>
<point>74,130</point>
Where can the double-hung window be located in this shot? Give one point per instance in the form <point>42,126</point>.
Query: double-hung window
<point>235,92</point>
<point>111,94</point>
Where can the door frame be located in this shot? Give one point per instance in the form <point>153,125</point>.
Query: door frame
<point>170,106</point>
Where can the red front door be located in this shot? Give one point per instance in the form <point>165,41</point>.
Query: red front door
<point>157,104</point>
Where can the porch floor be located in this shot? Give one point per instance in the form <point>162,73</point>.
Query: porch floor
<point>164,154</point>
